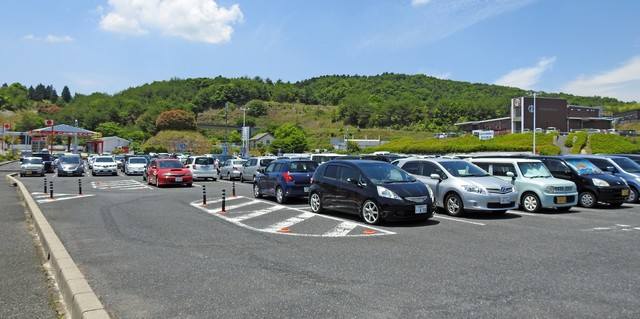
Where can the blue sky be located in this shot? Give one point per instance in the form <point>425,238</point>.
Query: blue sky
<point>585,47</point>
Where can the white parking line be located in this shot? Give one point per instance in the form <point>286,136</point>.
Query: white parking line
<point>458,220</point>
<point>257,213</point>
<point>242,205</point>
<point>341,230</point>
<point>285,224</point>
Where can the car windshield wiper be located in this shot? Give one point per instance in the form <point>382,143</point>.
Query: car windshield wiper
<point>539,176</point>
<point>392,182</point>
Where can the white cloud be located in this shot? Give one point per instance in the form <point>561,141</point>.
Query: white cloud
<point>526,78</point>
<point>50,38</point>
<point>622,82</point>
<point>194,20</point>
<point>418,3</point>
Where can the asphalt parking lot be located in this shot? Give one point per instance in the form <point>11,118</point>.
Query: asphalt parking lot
<point>158,253</point>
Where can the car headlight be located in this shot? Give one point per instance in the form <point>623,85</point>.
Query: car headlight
<point>550,189</point>
<point>431,194</point>
<point>474,189</point>
<point>386,193</point>
<point>600,183</point>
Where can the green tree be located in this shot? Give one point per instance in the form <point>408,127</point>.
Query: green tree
<point>352,147</point>
<point>40,92</point>
<point>66,94</point>
<point>176,120</point>
<point>289,138</point>
<point>235,137</point>
<point>27,120</point>
<point>109,129</point>
<point>256,108</point>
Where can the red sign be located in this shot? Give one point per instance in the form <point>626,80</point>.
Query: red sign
<point>48,122</point>
<point>7,126</point>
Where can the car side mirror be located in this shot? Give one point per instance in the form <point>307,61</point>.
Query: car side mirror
<point>352,181</point>
<point>435,176</point>
<point>362,183</point>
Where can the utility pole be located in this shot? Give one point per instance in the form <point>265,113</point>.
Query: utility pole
<point>225,147</point>
<point>75,139</point>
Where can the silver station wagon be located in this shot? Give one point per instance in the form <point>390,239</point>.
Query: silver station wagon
<point>460,186</point>
<point>538,189</point>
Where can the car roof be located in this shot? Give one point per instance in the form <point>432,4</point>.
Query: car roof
<point>505,160</point>
<point>32,157</point>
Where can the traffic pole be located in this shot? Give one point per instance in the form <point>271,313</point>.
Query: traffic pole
<point>45,185</point>
<point>50,189</point>
<point>80,186</point>
<point>204,195</point>
<point>233,189</point>
<point>223,201</point>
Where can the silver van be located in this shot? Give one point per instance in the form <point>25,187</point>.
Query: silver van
<point>460,186</point>
<point>536,186</point>
<point>251,166</point>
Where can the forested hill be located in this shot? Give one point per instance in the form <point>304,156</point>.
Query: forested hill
<point>416,102</point>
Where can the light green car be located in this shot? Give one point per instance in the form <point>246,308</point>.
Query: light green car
<point>537,188</point>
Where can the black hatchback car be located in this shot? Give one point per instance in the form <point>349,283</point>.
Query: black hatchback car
<point>594,186</point>
<point>374,190</point>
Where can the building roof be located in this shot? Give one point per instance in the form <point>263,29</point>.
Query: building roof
<point>260,136</point>
<point>484,121</point>
<point>589,118</point>
<point>62,129</point>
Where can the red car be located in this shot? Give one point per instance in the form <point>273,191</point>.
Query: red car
<point>168,172</point>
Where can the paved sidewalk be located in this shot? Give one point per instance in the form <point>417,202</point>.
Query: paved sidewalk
<point>23,293</point>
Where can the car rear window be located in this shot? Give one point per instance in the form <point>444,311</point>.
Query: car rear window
<point>170,164</point>
<point>138,160</point>
<point>302,167</point>
<point>33,161</point>
<point>204,161</point>
<point>265,162</point>
<point>70,160</point>
<point>104,159</point>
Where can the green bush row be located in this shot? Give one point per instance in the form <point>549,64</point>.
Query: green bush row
<point>613,144</point>
<point>578,141</point>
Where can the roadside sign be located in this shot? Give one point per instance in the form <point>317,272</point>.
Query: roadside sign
<point>48,122</point>
<point>530,108</point>
<point>485,135</point>
<point>246,131</point>
<point>6,126</point>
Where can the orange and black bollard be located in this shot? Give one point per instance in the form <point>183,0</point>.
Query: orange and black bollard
<point>233,189</point>
<point>50,189</point>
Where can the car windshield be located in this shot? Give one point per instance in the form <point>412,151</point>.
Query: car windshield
<point>627,165</point>
<point>119,158</point>
<point>385,173</point>
<point>104,160</point>
<point>583,166</point>
<point>70,160</point>
<point>303,167</point>
<point>138,160</point>
<point>266,161</point>
<point>463,169</point>
<point>238,162</point>
<point>534,170</point>
<point>33,161</point>
<point>170,164</point>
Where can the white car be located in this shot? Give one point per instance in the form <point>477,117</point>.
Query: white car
<point>231,169</point>
<point>32,166</point>
<point>202,167</point>
<point>135,166</point>
<point>104,165</point>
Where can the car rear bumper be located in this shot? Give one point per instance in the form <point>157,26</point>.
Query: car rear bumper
<point>204,174</point>
<point>296,190</point>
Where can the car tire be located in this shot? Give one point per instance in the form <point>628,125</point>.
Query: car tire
<point>93,173</point>
<point>453,205</point>
<point>564,209</point>
<point>254,179</point>
<point>229,176</point>
<point>315,202</point>
<point>115,174</point>
<point>587,199</point>
<point>530,203</point>
<point>241,178</point>
<point>256,191</point>
<point>633,195</point>
<point>280,197</point>
<point>615,205</point>
<point>59,175</point>
<point>370,212</point>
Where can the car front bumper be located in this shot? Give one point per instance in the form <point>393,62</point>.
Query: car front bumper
<point>31,171</point>
<point>393,209</point>
<point>104,171</point>
<point>612,195</point>
<point>166,180</point>
<point>555,200</point>
<point>490,202</point>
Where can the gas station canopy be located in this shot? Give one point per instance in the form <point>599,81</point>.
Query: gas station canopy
<point>61,130</point>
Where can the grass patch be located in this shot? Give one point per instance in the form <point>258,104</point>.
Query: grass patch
<point>613,144</point>
<point>578,141</point>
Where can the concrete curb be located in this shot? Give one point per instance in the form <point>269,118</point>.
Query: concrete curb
<point>78,296</point>
<point>7,162</point>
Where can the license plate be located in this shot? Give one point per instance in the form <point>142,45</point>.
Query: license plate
<point>306,189</point>
<point>561,199</point>
<point>505,200</point>
<point>421,209</point>
<point>178,179</point>
<point>32,172</point>
<point>625,192</point>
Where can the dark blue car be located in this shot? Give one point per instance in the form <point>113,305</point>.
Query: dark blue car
<point>285,178</point>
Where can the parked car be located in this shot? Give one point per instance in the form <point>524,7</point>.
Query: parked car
<point>231,169</point>
<point>325,157</point>
<point>135,165</point>
<point>104,165</point>
<point>202,167</point>
<point>537,188</point>
<point>120,161</point>
<point>47,161</point>
<point>374,190</point>
<point>633,157</point>
<point>166,171</point>
<point>460,186</point>
<point>622,167</point>
<point>594,186</point>
<point>31,166</point>
<point>70,165</point>
<point>285,178</point>
<point>251,166</point>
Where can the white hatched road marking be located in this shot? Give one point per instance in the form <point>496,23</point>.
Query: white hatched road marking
<point>127,184</point>
<point>42,198</point>
<point>341,230</point>
<point>285,224</point>
<point>458,220</point>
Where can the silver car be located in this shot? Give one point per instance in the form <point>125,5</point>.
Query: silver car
<point>32,166</point>
<point>136,165</point>
<point>202,167</point>
<point>70,165</point>
<point>231,169</point>
<point>250,168</point>
<point>460,186</point>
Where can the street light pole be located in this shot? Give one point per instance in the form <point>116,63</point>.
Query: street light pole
<point>225,149</point>
<point>534,123</point>
<point>75,139</point>
<point>245,151</point>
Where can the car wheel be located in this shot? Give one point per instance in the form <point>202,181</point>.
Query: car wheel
<point>280,198</point>
<point>93,173</point>
<point>59,175</point>
<point>587,199</point>
<point>256,191</point>
<point>633,195</point>
<point>564,209</point>
<point>453,205</point>
<point>229,176</point>
<point>315,203</point>
<point>241,178</point>
<point>530,203</point>
<point>254,179</point>
<point>370,212</point>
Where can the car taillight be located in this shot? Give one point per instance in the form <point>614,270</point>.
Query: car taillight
<point>287,177</point>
